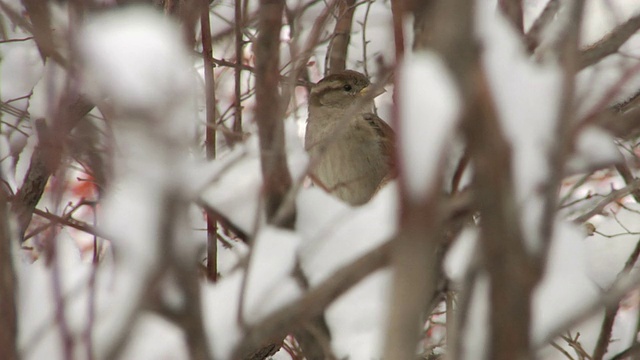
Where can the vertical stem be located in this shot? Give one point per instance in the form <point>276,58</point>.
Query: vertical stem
<point>341,36</point>
<point>269,110</point>
<point>96,243</point>
<point>212,248</point>
<point>365,67</point>
<point>207,53</point>
<point>511,272</point>
<point>414,275</point>
<point>451,320</point>
<point>237,124</point>
<point>397,10</point>
<point>91,308</point>
<point>568,55</point>
<point>8,291</point>
<point>210,140</point>
<point>68,340</point>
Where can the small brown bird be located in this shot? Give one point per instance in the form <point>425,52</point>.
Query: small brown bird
<point>351,148</point>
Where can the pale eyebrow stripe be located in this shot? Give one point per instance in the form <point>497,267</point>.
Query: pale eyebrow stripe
<point>324,86</point>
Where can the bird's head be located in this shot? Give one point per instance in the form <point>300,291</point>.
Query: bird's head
<point>342,90</point>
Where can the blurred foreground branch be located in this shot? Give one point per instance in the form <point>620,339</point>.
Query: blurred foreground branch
<point>313,303</point>
<point>610,43</point>
<point>8,290</point>
<point>270,113</point>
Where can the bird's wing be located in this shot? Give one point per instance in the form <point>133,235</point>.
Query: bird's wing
<point>388,142</point>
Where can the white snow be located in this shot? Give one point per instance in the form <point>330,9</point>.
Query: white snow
<point>609,248</point>
<point>460,256</point>
<point>135,63</point>
<point>48,92</point>
<point>429,108</point>
<point>220,314</point>
<point>137,69</point>
<point>334,234</point>
<point>236,185</point>
<point>594,148</point>
<point>566,287</point>
<point>270,284</point>
<point>527,97</point>
<point>39,336</point>
<point>232,184</point>
<point>153,337</point>
<point>20,68</point>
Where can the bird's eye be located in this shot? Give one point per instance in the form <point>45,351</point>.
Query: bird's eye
<point>347,87</point>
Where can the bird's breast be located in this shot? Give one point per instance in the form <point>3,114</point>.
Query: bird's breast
<point>348,159</point>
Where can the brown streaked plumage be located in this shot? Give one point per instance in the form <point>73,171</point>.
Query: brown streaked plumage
<point>351,148</point>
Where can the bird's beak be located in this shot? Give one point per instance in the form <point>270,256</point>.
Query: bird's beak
<point>372,91</point>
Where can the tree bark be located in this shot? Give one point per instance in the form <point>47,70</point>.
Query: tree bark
<point>341,37</point>
<point>269,111</point>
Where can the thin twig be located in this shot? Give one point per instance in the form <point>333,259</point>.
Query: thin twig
<point>16,40</point>
<point>563,351</point>
<point>603,103</point>
<point>76,224</point>
<point>610,314</point>
<point>613,196</point>
<point>91,308</point>
<point>562,203</point>
<point>628,177</point>
<point>365,42</point>
<point>312,41</point>
<point>237,124</point>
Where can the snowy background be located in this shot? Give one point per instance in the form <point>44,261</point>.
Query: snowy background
<point>116,270</point>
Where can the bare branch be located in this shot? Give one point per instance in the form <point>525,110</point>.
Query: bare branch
<point>312,40</point>
<point>532,38</point>
<point>41,21</point>
<point>71,109</point>
<point>276,177</point>
<point>613,196</point>
<point>46,157</point>
<point>610,43</point>
<point>626,174</point>
<point>278,324</point>
<point>512,9</point>
<point>341,36</point>
<point>415,271</point>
